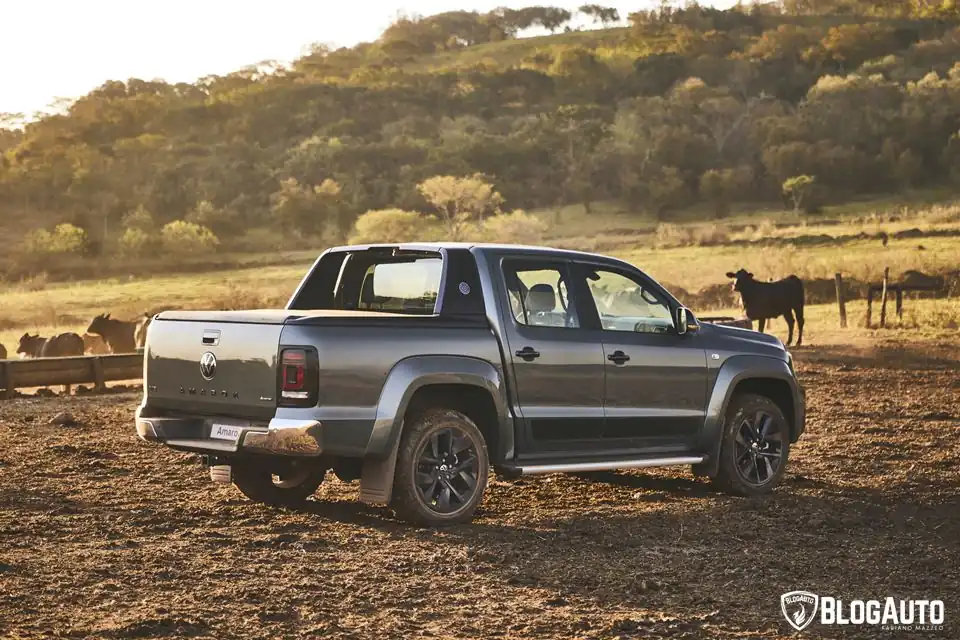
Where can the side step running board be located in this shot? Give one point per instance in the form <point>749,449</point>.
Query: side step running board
<point>606,465</point>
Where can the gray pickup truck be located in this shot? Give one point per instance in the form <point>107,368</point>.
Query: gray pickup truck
<point>416,368</point>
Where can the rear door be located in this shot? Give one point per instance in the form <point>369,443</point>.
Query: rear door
<point>214,363</point>
<point>557,364</point>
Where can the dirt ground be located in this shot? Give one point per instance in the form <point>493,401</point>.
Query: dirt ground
<point>102,535</point>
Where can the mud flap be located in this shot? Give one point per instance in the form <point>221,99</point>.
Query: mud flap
<point>376,478</point>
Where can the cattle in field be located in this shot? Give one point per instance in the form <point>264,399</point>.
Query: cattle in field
<point>140,335</point>
<point>118,334</point>
<point>62,345</point>
<point>94,344</point>
<point>765,300</point>
<point>30,346</point>
<point>3,352</point>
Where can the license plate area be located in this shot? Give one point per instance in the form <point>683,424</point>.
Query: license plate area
<point>228,430</point>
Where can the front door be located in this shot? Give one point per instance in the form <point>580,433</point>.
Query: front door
<point>558,366</point>
<point>656,379</point>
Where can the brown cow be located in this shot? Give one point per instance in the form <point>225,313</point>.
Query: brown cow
<point>94,344</point>
<point>3,352</point>
<point>117,333</point>
<point>30,345</point>
<point>141,333</point>
<point>62,345</point>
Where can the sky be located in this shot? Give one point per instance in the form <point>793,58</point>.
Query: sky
<point>52,49</point>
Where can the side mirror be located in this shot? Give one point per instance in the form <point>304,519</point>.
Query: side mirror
<point>685,322</point>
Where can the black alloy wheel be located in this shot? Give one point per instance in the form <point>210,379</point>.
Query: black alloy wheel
<point>447,470</point>
<point>758,448</point>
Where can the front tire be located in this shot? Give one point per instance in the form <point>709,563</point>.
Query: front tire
<point>442,468</point>
<point>288,486</point>
<point>755,447</point>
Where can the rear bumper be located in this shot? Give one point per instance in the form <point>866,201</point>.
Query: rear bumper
<point>282,437</point>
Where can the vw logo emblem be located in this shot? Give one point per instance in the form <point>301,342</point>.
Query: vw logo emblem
<point>208,366</point>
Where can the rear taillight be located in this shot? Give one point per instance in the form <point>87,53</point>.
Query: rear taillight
<point>298,377</point>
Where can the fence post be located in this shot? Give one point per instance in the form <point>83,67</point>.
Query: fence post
<point>869,304</point>
<point>98,381</point>
<point>899,290</point>
<point>841,303</point>
<point>5,379</point>
<point>883,298</point>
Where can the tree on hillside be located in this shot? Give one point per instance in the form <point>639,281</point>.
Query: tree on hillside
<point>601,14</point>
<point>579,131</point>
<point>206,214</point>
<point>140,219</point>
<point>798,189</point>
<point>868,106</point>
<point>307,209</point>
<point>724,186</point>
<point>460,201</point>
<point>552,18</point>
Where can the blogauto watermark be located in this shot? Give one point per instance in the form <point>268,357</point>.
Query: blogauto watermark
<point>800,608</point>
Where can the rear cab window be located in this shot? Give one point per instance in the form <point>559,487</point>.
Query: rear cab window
<point>400,287</point>
<point>386,280</point>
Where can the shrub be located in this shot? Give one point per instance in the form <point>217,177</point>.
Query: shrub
<point>220,221</point>
<point>139,219</point>
<point>181,237</point>
<point>672,235</point>
<point>518,227</point>
<point>710,235</point>
<point>65,238</point>
<point>390,225</point>
<point>136,242</point>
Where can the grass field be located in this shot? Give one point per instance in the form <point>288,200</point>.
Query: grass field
<point>70,307</point>
<point>811,247</point>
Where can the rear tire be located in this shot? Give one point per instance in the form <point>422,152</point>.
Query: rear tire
<point>755,447</point>
<point>442,468</point>
<point>286,487</point>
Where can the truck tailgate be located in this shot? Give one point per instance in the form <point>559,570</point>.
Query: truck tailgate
<point>214,363</point>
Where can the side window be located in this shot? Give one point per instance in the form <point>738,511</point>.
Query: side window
<point>539,295</point>
<point>626,305</point>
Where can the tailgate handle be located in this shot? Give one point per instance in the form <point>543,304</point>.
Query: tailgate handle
<point>211,337</point>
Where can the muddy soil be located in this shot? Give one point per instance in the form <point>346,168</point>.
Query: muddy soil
<point>102,535</point>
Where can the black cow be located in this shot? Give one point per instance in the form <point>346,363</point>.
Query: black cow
<point>763,300</point>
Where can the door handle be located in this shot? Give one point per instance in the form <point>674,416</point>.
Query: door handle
<point>618,357</point>
<point>528,353</point>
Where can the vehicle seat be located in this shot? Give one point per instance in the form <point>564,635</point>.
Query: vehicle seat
<point>367,299</point>
<point>541,302</point>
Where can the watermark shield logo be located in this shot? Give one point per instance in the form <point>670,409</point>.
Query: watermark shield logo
<point>799,608</point>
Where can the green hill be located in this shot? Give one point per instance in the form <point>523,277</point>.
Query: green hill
<point>683,107</point>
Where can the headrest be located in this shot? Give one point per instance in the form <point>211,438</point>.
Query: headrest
<point>366,290</point>
<point>541,298</point>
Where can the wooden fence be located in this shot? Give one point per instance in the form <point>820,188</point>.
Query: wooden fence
<point>46,372</point>
<point>883,289</point>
